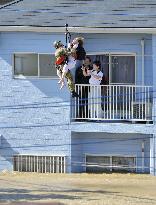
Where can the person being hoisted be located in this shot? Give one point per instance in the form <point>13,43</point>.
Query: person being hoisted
<point>77,44</point>
<point>69,65</point>
<point>64,62</point>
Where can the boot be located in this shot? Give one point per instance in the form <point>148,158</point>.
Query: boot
<point>74,94</point>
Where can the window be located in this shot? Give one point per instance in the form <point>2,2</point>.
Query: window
<point>117,68</point>
<point>121,163</point>
<point>104,59</point>
<point>34,65</point>
<point>110,163</point>
<point>40,164</point>
<point>97,163</point>
<point>26,64</point>
<point>122,69</point>
<point>46,65</point>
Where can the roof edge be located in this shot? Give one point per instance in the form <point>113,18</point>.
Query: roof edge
<point>10,3</point>
<point>75,29</point>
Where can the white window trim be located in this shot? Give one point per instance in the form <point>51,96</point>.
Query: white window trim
<point>38,64</point>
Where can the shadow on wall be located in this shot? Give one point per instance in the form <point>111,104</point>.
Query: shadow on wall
<point>50,88</point>
<point>6,151</point>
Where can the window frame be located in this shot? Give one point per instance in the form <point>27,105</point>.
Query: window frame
<point>88,54</point>
<point>111,161</point>
<point>14,76</point>
<point>110,69</point>
<point>117,54</point>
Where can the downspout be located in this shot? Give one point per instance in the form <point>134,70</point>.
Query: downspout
<point>0,140</point>
<point>143,59</point>
<point>143,155</point>
<point>154,155</point>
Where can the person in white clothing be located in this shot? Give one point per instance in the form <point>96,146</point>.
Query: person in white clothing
<point>94,101</point>
<point>96,76</point>
<point>69,65</point>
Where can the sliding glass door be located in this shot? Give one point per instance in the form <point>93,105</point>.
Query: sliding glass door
<point>122,69</point>
<point>117,68</point>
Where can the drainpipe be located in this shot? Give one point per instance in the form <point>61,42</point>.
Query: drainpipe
<point>143,59</point>
<point>0,140</point>
<point>154,155</point>
<point>143,155</point>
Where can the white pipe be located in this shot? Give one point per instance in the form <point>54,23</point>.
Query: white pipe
<point>154,154</point>
<point>143,59</point>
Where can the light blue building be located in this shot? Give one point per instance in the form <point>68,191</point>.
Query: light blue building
<point>41,128</point>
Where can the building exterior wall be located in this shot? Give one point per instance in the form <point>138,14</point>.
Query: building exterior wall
<point>124,43</point>
<point>110,144</point>
<point>35,114</point>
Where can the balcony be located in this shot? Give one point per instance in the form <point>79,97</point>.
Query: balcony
<point>112,103</point>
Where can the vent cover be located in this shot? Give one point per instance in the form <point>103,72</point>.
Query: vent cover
<point>142,111</point>
<point>40,164</point>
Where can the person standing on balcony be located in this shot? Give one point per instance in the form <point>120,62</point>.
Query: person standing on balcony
<point>82,87</point>
<point>94,100</point>
<point>80,78</point>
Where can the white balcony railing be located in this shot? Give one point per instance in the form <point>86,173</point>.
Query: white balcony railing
<point>112,102</point>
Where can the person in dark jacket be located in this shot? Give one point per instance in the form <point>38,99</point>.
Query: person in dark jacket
<point>79,76</point>
<point>82,108</point>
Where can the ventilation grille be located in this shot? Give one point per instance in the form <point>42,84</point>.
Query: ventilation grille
<point>40,164</point>
<point>142,111</point>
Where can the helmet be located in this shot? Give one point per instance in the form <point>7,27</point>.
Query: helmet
<point>57,44</point>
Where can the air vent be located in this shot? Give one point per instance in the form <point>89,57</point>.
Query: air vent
<point>142,111</point>
<point>39,164</point>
